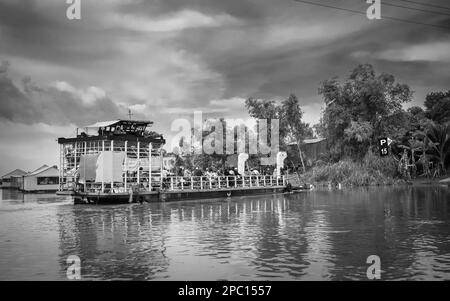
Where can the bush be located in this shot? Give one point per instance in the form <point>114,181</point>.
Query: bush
<point>373,170</point>
<point>386,165</point>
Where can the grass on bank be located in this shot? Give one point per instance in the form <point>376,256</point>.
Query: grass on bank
<point>372,170</point>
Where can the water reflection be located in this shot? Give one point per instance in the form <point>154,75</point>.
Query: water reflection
<point>11,194</point>
<point>29,235</point>
<point>14,197</point>
<point>321,235</point>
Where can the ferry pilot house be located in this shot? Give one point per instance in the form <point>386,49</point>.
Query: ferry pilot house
<point>111,156</point>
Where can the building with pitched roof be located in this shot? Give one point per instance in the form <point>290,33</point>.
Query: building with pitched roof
<point>13,179</point>
<point>45,178</point>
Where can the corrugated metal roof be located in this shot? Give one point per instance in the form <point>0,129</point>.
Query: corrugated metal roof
<point>39,170</point>
<point>102,124</point>
<point>16,172</point>
<point>310,141</point>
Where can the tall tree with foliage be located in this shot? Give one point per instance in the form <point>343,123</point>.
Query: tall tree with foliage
<point>291,119</point>
<point>438,106</point>
<point>289,114</point>
<point>362,109</point>
<point>439,136</point>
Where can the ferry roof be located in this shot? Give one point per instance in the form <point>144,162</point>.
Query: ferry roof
<point>103,124</point>
<point>309,141</point>
<point>124,130</point>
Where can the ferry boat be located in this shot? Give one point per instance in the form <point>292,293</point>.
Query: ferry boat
<point>121,161</point>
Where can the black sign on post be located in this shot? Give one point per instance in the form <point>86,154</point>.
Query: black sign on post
<point>384,146</point>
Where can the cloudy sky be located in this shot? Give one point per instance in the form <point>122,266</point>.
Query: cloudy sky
<point>166,58</point>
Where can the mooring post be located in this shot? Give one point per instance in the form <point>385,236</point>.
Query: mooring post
<point>103,178</point>
<point>130,200</point>
<point>85,152</point>
<point>150,147</point>
<point>138,162</point>
<point>125,163</point>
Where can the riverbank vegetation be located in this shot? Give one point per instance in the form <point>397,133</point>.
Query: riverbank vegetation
<point>356,114</point>
<point>373,170</point>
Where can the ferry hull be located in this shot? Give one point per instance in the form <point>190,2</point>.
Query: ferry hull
<point>170,196</point>
<point>222,193</point>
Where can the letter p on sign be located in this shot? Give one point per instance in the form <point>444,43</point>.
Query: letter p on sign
<point>383,144</point>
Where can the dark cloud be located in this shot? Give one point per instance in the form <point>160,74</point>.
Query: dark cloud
<point>170,56</point>
<point>167,58</point>
<point>15,105</point>
<point>321,45</point>
<point>244,9</point>
<point>276,47</point>
<point>31,104</point>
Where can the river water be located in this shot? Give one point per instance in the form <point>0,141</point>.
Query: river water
<point>317,235</point>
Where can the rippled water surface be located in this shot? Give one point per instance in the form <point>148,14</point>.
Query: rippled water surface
<point>318,235</point>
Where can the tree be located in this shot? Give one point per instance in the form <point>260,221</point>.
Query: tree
<point>358,135</point>
<point>418,120</point>
<point>416,112</point>
<point>439,136</point>
<point>320,128</point>
<point>438,106</point>
<point>414,146</point>
<point>291,119</point>
<point>289,114</point>
<point>365,101</point>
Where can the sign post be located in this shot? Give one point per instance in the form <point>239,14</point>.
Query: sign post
<point>383,144</point>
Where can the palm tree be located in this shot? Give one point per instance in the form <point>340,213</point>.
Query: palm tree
<point>414,145</point>
<point>439,136</point>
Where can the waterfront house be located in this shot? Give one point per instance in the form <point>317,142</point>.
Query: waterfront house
<point>13,179</point>
<point>45,178</point>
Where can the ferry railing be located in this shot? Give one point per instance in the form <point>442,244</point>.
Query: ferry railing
<point>221,182</point>
<point>176,183</point>
<point>111,188</point>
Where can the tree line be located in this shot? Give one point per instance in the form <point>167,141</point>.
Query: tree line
<point>360,110</point>
<point>356,113</point>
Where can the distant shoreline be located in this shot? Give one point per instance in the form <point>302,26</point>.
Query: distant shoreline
<point>399,182</point>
